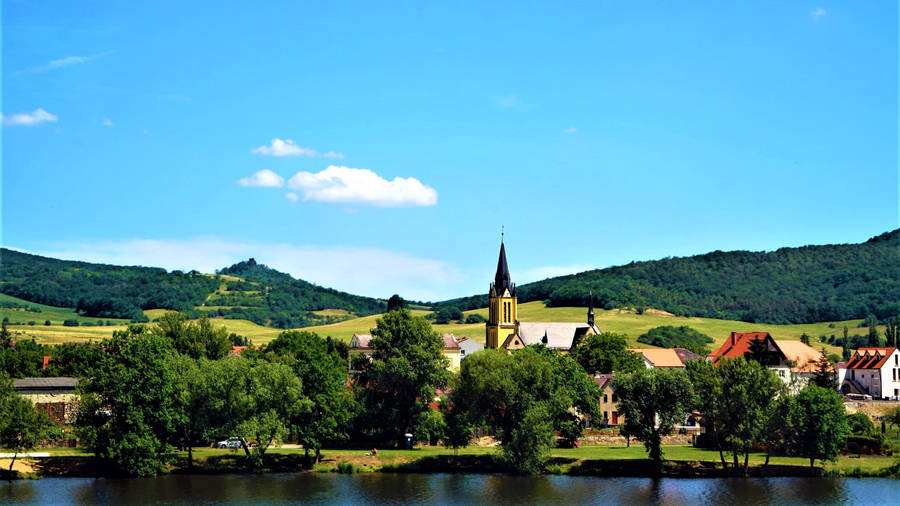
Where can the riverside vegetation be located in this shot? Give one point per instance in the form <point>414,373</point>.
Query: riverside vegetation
<point>154,388</point>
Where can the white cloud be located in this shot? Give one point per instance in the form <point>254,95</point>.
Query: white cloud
<point>374,272</point>
<point>339,184</point>
<point>68,61</point>
<point>107,122</point>
<point>570,130</point>
<point>818,12</point>
<point>287,147</point>
<point>29,119</point>
<point>291,196</point>
<point>264,178</point>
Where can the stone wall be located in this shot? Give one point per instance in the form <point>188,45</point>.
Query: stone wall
<point>875,409</point>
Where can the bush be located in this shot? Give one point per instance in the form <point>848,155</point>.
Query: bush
<point>860,424</point>
<point>345,468</point>
<point>475,318</point>
<point>866,445</point>
<point>70,323</point>
<point>47,322</point>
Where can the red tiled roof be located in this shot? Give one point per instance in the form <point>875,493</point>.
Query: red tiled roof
<point>870,358</point>
<point>603,379</point>
<point>736,345</point>
<point>46,361</point>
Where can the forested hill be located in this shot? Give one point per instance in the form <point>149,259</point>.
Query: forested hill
<point>790,285</point>
<point>246,290</point>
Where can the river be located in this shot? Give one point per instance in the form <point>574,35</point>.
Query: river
<point>384,488</point>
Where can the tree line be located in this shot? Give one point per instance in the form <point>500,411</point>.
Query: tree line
<point>789,285</point>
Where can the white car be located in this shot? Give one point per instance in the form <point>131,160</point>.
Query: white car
<point>232,442</point>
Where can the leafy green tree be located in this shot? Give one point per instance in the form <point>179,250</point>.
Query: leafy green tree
<point>860,423</point>
<point>195,339</point>
<point>194,404</point>
<point>395,302</point>
<point>804,338</point>
<point>127,410</point>
<point>74,359</point>
<point>22,427</point>
<point>5,336</point>
<point>653,401</point>
<point>407,367</point>
<point>322,369</point>
<point>431,427</point>
<point>521,398</point>
<point>683,336</point>
<point>822,429</point>
<point>778,435</point>
<point>748,391</point>
<point>605,353</point>
<point>475,318</point>
<point>892,416</point>
<point>824,375</point>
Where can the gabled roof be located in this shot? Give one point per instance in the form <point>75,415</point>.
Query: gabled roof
<point>660,357</point>
<point>61,383</point>
<point>737,344</point>
<point>604,379</point>
<point>450,342</point>
<point>870,358</point>
<point>685,355</point>
<point>560,335</point>
<point>804,356</point>
<point>360,340</point>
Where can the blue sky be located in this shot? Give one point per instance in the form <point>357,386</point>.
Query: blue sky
<point>380,149</point>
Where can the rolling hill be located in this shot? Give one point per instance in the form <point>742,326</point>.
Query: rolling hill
<point>246,290</point>
<point>789,285</point>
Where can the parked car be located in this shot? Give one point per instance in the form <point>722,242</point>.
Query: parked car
<point>232,442</point>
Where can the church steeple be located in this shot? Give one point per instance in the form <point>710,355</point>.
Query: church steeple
<point>502,313</point>
<point>501,279</point>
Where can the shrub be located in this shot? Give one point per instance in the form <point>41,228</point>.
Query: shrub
<point>70,323</point>
<point>47,322</point>
<point>475,318</point>
<point>345,468</point>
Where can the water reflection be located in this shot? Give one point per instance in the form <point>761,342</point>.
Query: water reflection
<point>446,489</point>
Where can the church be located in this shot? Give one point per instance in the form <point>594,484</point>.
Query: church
<point>505,331</point>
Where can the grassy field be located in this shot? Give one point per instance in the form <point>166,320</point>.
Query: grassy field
<point>56,315</point>
<point>564,458</point>
<point>614,320</point>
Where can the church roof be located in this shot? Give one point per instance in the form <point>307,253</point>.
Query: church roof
<point>502,280</point>
<point>560,335</point>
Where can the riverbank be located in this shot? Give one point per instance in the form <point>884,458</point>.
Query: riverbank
<point>596,460</point>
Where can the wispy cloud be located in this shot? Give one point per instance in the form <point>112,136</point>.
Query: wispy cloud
<point>107,122</point>
<point>287,147</point>
<point>29,119</point>
<point>818,13</point>
<point>346,185</point>
<point>570,130</point>
<point>68,61</point>
<point>375,272</point>
<point>291,196</point>
<point>264,178</point>
<point>509,102</point>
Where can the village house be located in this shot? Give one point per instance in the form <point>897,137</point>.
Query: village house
<point>360,345</point>
<point>609,403</point>
<point>468,346</point>
<point>504,330</point>
<point>793,361</point>
<point>55,396</point>
<point>672,358</point>
<point>872,371</point>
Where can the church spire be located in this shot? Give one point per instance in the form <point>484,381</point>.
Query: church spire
<point>502,280</point>
<point>590,316</point>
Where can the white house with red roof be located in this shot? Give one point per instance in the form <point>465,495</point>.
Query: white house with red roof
<point>793,361</point>
<point>873,371</point>
<point>360,344</point>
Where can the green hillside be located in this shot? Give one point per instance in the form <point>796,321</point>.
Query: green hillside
<point>246,290</point>
<point>790,285</point>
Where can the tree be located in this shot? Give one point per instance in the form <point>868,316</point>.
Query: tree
<point>759,352</point>
<point>860,423</point>
<point>475,318</point>
<point>194,404</point>
<point>804,338</point>
<point>780,426</point>
<point>195,339</point>
<point>22,427</point>
<point>845,346</point>
<point>824,375</point>
<point>822,428</point>
<point>521,398</point>
<point>431,427</point>
<point>892,332</point>
<point>748,391</point>
<point>892,416</point>
<point>322,369</point>
<point>5,336</point>
<point>395,302</point>
<point>653,401</point>
<point>605,353</point>
<point>683,336</point>
<point>407,367</point>
<point>127,410</point>
<point>872,323</point>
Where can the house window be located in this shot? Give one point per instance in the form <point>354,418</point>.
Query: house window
<point>615,398</point>
<point>605,398</point>
<point>853,374</point>
<point>781,372</point>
